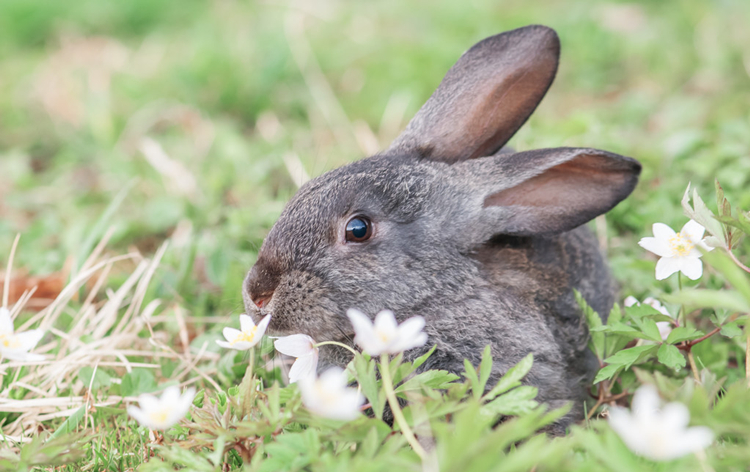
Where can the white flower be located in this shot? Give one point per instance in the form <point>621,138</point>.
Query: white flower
<point>677,251</point>
<point>328,395</point>
<point>247,336</point>
<point>16,346</point>
<point>303,348</point>
<point>660,434</point>
<point>665,327</point>
<point>164,412</point>
<point>385,335</point>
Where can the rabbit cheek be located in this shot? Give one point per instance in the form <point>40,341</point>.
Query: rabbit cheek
<point>300,305</point>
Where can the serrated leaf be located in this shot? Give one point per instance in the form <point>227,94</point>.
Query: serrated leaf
<point>607,372</point>
<point>368,382</point>
<point>682,333</point>
<point>437,379</point>
<point>471,375</point>
<point>650,330</point>
<point>516,402</point>
<point>701,214</point>
<point>615,314</point>
<point>512,378</point>
<point>628,357</point>
<point>670,356</point>
<point>731,330</point>
<point>593,320</point>
<point>485,368</point>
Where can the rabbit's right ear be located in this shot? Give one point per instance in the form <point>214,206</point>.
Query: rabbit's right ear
<point>485,97</point>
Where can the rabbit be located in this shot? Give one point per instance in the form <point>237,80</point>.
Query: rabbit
<point>485,243</point>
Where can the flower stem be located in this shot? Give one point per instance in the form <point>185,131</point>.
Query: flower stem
<point>398,415</point>
<point>747,355</point>
<point>681,315</point>
<point>336,343</point>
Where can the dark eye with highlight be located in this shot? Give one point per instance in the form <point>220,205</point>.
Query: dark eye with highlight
<point>358,229</point>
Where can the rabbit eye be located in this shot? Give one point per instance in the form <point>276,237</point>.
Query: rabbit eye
<point>358,229</point>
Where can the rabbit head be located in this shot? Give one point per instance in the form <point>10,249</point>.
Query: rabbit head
<point>397,230</point>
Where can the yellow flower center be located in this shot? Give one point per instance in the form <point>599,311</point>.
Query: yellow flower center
<point>681,245</point>
<point>246,336</point>
<point>158,417</point>
<point>10,342</point>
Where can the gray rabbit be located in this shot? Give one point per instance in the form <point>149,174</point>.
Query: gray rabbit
<point>485,243</point>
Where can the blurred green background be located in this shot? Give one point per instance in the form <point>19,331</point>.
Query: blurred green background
<point>192,120</point>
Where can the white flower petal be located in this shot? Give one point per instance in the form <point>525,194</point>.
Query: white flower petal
<point>646,401</point>
<point>139,415</point>
<point>364,333</point>
<point>630,301</point>
<point>662,231</point>
<point>665,327</point>
<point>692,268</point>
<point>693,230</point>
<point>262,326</point>
<point>29,339</point>
<point>296,345</point>
<point>230,334</point>
<point>241,345</point>
<point>666,266</point>
<point>659,247</point>
<point>6,324</point>
<point>224,344</point>
<point>328,396</point>
<point>304,366</point>
<point>385,323</point>
<point>246,323</point>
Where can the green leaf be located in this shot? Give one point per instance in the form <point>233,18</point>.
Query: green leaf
<point>421,359</point>
<point>701,214</point>
<point>731,330</point>
<point>70,424</point>
<point>615,315</point>
<point>438,379</point>
<point>628,357</point>
<point>512,378</point>
<point>593,320</point>
<point>101,379</point>
<point>485,368</point>
<point>471,375</point>
<point>682,333</point>
<point>516,402</point>
<point>650,330</point>
<point>136,382</point>
<point>367,379</point>
<point>670,356</point>
<point>698,298</point>
<point>737,277</point>
<point>607,372</point>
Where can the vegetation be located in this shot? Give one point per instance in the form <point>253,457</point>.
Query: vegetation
<point>146,147</point>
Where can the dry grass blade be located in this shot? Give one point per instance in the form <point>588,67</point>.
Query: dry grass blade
<point>99,333</point>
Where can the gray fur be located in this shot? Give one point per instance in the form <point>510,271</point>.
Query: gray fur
<point>486,248</point>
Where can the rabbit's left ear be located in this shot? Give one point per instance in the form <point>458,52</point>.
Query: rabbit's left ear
<point>484,98</point>
<point>547,191</point>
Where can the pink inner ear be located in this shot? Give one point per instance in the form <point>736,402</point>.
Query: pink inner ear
<point>583,182</point>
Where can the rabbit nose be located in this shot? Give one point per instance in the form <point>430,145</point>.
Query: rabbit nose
<point>260,301</point>
<point>260,285</point>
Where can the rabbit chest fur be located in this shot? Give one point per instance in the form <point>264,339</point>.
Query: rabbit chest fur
<point>485,243</point>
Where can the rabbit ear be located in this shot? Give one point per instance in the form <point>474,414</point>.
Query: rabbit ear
<point>485,97</point>
<point>549,190</point>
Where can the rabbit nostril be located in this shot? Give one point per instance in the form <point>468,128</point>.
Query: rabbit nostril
<point>261,301</point>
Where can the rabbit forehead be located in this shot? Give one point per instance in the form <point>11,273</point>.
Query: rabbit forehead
<point>382,187</point>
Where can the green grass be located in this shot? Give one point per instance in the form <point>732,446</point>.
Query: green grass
<point>228,89</point>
